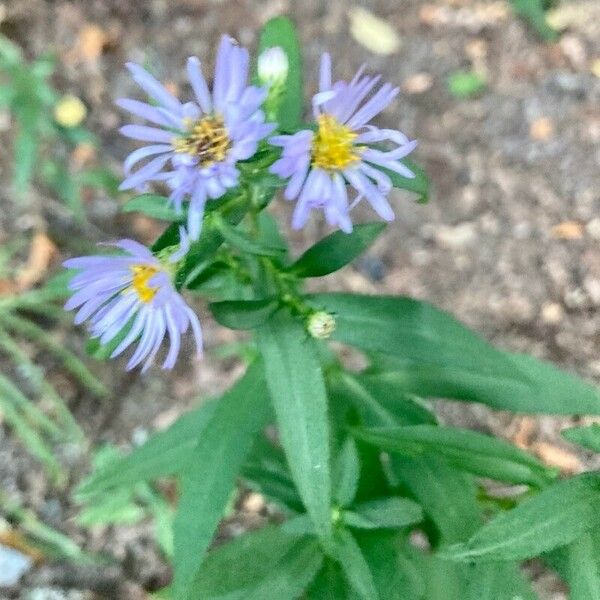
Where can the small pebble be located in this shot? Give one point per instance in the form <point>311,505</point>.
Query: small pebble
<point>592,228</point>
<point>13,565</point>
<point>552,313</point>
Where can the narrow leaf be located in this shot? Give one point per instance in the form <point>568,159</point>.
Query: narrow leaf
<point>165,453</point>
<point>346,473</point>
<point>298,393</point>
<point>555,517</point>
<point>354,566</point>
<point>583,569</point>
<point>211,470</point>
<point>153,206</point>
<point>336,250</point>
<point>419,184</point>
<point>266,565</point>
<point>468,450</point>
<point>243,314</point>
<point>387,513</point>
<point>588,437</point>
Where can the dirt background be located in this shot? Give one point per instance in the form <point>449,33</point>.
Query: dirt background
<point>509,243</point>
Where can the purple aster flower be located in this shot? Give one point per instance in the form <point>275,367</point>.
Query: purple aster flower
<point>194,147</point>
<point>134,290</point>
<point>321,164</point>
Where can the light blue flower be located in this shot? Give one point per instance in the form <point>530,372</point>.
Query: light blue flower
<point>340,153</point>
<point>134,290</point>
<point>194,147</point>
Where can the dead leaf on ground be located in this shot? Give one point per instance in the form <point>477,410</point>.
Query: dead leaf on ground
<point>375,34</point>
<point>541,129</point>
<point>83,155</point>
<point>525,429</point>
<point>568,230</point>
<point>15,540</point>
<point>41,253</point>
<point>555,456</point>
<point>419,83</point>
<point>90,43</point>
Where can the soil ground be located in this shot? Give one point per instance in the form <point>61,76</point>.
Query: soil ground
<point>509,242</point>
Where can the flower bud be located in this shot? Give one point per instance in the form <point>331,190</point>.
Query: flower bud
<point>320,325</point>
<point>70,111</point>
<point>273,66</point>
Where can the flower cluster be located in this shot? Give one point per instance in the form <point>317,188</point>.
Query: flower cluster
<point>195,149</point>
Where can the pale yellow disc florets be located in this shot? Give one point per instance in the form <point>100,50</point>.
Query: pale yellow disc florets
<point>333,145</point>
<point>207,140</point>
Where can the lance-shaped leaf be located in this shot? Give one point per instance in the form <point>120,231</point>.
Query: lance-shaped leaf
<point>464,449</point>
<point>297,389</point>
<point>165,453</point>
<point>387,513</point>
<point>336,250</point>
<point>418,184</point>
<point>432,354</point>
<point>267,564</point>
<point>153,206</point>
<point>555,517</point>
<point>588,437</point>
<point>583,569</point>
<point>211,470</point>
<point>354,565</point>
<point>243,314</point>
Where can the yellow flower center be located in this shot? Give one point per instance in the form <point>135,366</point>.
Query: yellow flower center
<point>141,276</point>
<point>332,146</point>
<point>207,140</point>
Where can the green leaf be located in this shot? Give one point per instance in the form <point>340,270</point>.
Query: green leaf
<point>298,394</point>
<point>211,470</point>
<point>346,472</point>
<point>329,584</point>
<point>26,145</point>
<point>419,184</point>
<point>281,32</point>
<point>266,565</point>
<point>242,242</point>
<point>266,472</point>
<point>101,178</point>
<point>588,437</point>
<point>243,314</point>
<point>57,175</point>
<point>431,354</point>
<point>153,206</point>
<point>555,517</point>
<point>466,84</point>
<point>336,250</point>
<point>467,450</point>
<point>397,576</point>
<point>165,453</point>
<point>533,11</point>
<point>583,569</point>
<point>376,391</point>
<point>354,566</point>
<point>411,330</point>
<point>387,513</point>
<point>117,507</point>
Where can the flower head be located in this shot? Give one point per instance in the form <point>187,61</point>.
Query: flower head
<point>321,164</point>
<point>132,293</point>
<point>194,147</point>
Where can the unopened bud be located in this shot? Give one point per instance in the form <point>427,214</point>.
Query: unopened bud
<point>320,325</point>
<point>70,111</point>
<point>273,66</point>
